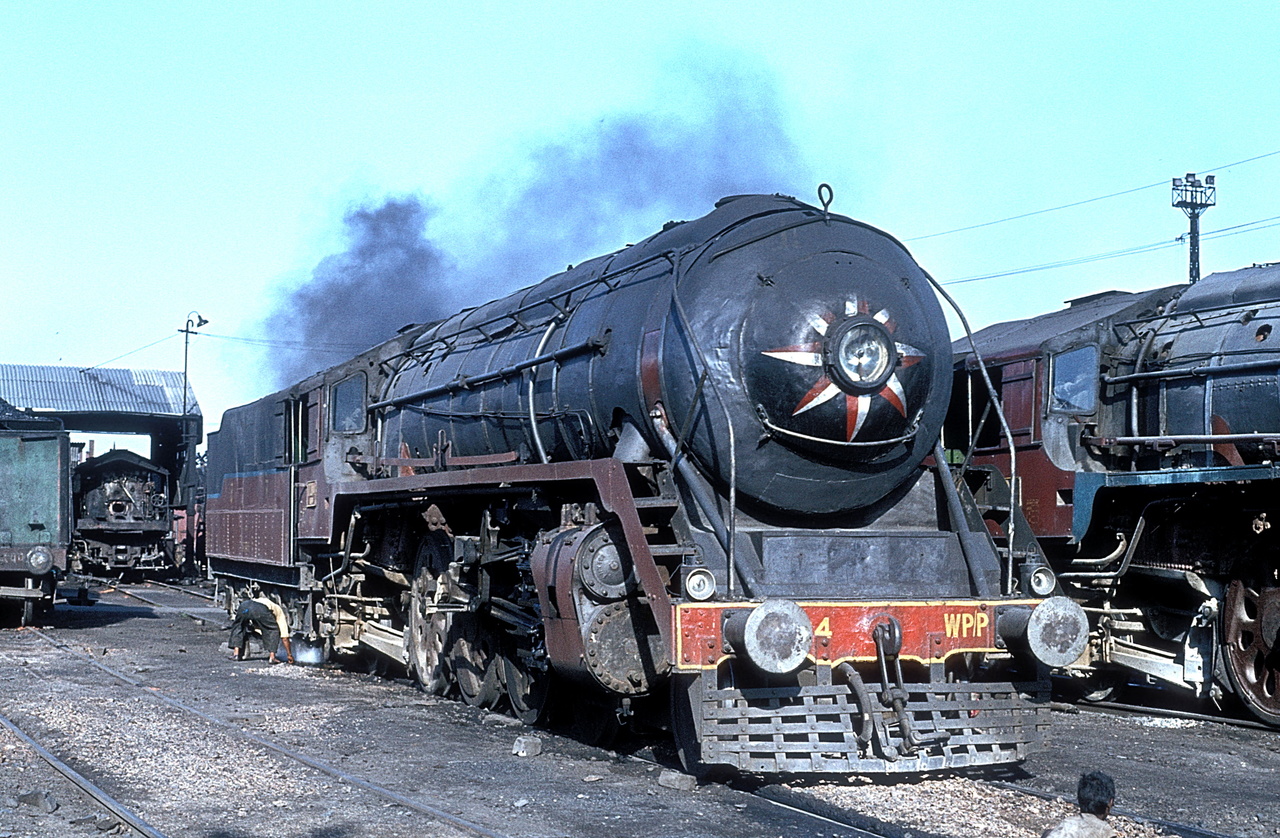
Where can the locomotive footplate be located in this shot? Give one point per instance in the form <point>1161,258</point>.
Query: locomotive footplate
<point>847,706</point>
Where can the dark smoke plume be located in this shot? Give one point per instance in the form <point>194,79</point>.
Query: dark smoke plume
<point>620,180</point>
<point>390,276</point>
<point>561,201</point>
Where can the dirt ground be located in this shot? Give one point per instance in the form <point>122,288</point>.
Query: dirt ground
<point>196,778</point>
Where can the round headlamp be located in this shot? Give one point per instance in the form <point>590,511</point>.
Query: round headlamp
<point>699,584</point>
<point>861,355</point>
<point>1043,581</point>
<point>39,560</point>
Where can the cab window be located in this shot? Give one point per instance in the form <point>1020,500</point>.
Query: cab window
<point>1074,381</point>
<point>347,398</point>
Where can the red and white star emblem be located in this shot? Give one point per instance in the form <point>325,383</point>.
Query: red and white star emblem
<point>824,390</point>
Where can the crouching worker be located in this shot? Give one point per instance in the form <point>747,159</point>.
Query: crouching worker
<point>262,617</point>
<point>1096,795</point>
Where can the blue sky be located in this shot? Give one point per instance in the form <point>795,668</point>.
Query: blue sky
<point>162,158</point>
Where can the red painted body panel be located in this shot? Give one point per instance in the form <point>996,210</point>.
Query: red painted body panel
<point>248,520</point>
<point>931,631</point>
<point>1045,488</point>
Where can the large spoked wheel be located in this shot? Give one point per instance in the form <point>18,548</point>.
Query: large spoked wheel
<point>686,727</point>
<point>1251,640</point>
<point>476,668</point>
<point>527,688</point>
<point>427,632</point>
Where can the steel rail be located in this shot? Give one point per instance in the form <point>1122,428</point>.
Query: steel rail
<point>324,768</point>
<point>102,581</point>
<point>111,804</point>
<point>181,589</point>
<point>201,619</point>
<point>793,802</point>
<point>1121,709</point>
<point>796,804</point>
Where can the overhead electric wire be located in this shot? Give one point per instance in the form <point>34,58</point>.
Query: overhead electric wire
<point>1035,212</point>
<point>1247,227</point>
<point>127,354</point>
<point>292,344</point>
<point>336,348</point>
<point>1225,231</point>
<point>1082,203</point>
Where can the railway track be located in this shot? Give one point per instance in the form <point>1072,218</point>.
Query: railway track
<point>431,811</point>
<point>186,589</point>
<point>207,613</point>
<point>1123,709</point>
<point>122,813</point>
<point>821,822</point>
<point>826,819</point>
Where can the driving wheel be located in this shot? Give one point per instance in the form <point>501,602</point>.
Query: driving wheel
<point>1251,639</point>
<point>427,631</point>
<point>527,688</point>
<point>475,666</point>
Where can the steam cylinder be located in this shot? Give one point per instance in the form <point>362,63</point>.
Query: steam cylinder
<point>810,341</point>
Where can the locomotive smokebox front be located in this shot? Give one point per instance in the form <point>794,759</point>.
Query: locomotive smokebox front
<point>829,348</point>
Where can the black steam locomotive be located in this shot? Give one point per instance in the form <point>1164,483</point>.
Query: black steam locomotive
<point>688,483</point>
<point>124,521</point>
<point>1148,426</point>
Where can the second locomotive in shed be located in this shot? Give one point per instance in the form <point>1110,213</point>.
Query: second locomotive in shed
<point>687,482</point>
<point>1148,426</point>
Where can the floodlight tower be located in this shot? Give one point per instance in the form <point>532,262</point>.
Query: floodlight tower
<point>1193,197</point>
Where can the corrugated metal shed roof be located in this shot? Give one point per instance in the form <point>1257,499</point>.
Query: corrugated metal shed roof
<point>73,390</point>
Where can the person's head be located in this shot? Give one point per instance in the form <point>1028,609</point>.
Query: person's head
<point>1096,793</point>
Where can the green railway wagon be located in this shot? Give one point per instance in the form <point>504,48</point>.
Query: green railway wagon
<point>35,504</point>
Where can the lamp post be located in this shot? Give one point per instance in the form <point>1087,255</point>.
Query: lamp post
<point>1193,197</point>
<point>194,321</point>
<point>192,325</point>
